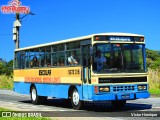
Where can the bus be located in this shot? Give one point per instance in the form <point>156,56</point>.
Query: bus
<point>98,67</point>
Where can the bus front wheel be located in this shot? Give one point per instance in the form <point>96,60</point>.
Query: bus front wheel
<point>76,102</point>
<point>35,98</point>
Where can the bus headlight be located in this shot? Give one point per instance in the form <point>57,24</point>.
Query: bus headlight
<point>104,89</point>
<point>142,87</point>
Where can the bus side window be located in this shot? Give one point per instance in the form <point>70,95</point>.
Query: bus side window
<point>73,59</point>
<point>34,62</point>
<point>54,64</point>
<point>62,63</point>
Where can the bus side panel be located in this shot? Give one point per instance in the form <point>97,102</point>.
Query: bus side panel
<point>52,90</point>
<point>90,91</point>
<point>87,91</point>
<point>21,87</point>
<point>56,90</point>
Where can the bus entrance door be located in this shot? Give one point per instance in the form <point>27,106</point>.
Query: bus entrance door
<point>85,50</point>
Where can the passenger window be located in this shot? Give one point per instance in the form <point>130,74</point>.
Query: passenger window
<point>73,57</point>
<point>46,56</point>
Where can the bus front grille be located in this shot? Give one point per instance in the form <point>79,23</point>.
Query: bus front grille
<point>123,88</point>
<point>123,80</point>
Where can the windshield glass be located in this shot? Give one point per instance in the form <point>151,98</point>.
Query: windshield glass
<point>114,58</point>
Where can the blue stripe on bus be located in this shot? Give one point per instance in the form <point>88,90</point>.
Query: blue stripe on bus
<point>142,95</point>
<point>21,87</point>
<point>61,91</point>
<point>52,90</point>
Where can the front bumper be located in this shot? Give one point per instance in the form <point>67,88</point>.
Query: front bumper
<point>120,96</point>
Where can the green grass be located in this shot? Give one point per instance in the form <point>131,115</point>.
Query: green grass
<point>4,109</point>
<point>6,82</point>
<point>19,118</point>
<point>155,92</point>
<point>154,82</point>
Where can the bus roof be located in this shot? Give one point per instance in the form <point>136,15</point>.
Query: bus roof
<point>80,38</point>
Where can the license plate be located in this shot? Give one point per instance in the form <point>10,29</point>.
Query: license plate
<point>125,96</point>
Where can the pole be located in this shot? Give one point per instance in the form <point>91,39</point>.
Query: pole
<point>17,29</point>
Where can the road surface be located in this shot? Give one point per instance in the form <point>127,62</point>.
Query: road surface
<point>57,107</point>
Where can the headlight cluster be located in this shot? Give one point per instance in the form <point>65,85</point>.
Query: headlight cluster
<point>101,89</point>
<point>104,89</point>
<point>142,87</point>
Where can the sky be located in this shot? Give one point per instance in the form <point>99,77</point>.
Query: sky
<point>63,19</point>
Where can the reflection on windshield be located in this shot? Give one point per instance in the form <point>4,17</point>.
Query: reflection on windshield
<point>113,58</point>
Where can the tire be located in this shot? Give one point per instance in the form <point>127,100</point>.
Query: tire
<point>35,98</point>
<point>76,102</point>
<point>118,104</point>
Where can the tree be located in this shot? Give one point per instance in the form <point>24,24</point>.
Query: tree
<point>2,68</point>
<point>9,68</point>
<point>6,68</point>
<point>153,59</point>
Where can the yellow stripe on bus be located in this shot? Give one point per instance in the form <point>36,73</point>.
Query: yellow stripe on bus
<point>74,80</point>
<point>49,75</point>
<point>56,72</point>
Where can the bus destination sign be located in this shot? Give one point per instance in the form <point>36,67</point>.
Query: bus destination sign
<point>116,38</point>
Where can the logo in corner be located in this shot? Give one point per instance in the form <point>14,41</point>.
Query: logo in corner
<point>14,6</point>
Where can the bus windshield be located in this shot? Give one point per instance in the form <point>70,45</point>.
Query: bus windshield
<point>118,57</point>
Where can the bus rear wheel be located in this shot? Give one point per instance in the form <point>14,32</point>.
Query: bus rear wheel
<point>35,98</point>
<point>76,102</point>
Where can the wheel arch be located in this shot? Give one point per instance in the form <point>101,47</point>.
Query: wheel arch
<point>32,85</point>
<point>76,102</point>
<point>71,88</point>
<point>78,88</point>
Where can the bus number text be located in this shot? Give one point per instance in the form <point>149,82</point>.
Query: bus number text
<point>74,72</point>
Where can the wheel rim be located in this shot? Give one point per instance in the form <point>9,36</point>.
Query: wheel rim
<point>75,97</point>
<point>34,94</point>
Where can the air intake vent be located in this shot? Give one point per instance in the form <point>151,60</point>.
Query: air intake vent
<point>123,88</point>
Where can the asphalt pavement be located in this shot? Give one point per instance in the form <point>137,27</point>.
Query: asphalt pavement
<point>58,108</point>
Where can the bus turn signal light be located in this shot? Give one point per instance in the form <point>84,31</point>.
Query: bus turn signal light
<point>118,45</point>
<point>142,39</point>
<point>95,89</point>
<point>96,38</point>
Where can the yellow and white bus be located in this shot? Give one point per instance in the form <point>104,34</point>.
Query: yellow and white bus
<point>97,67</point>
